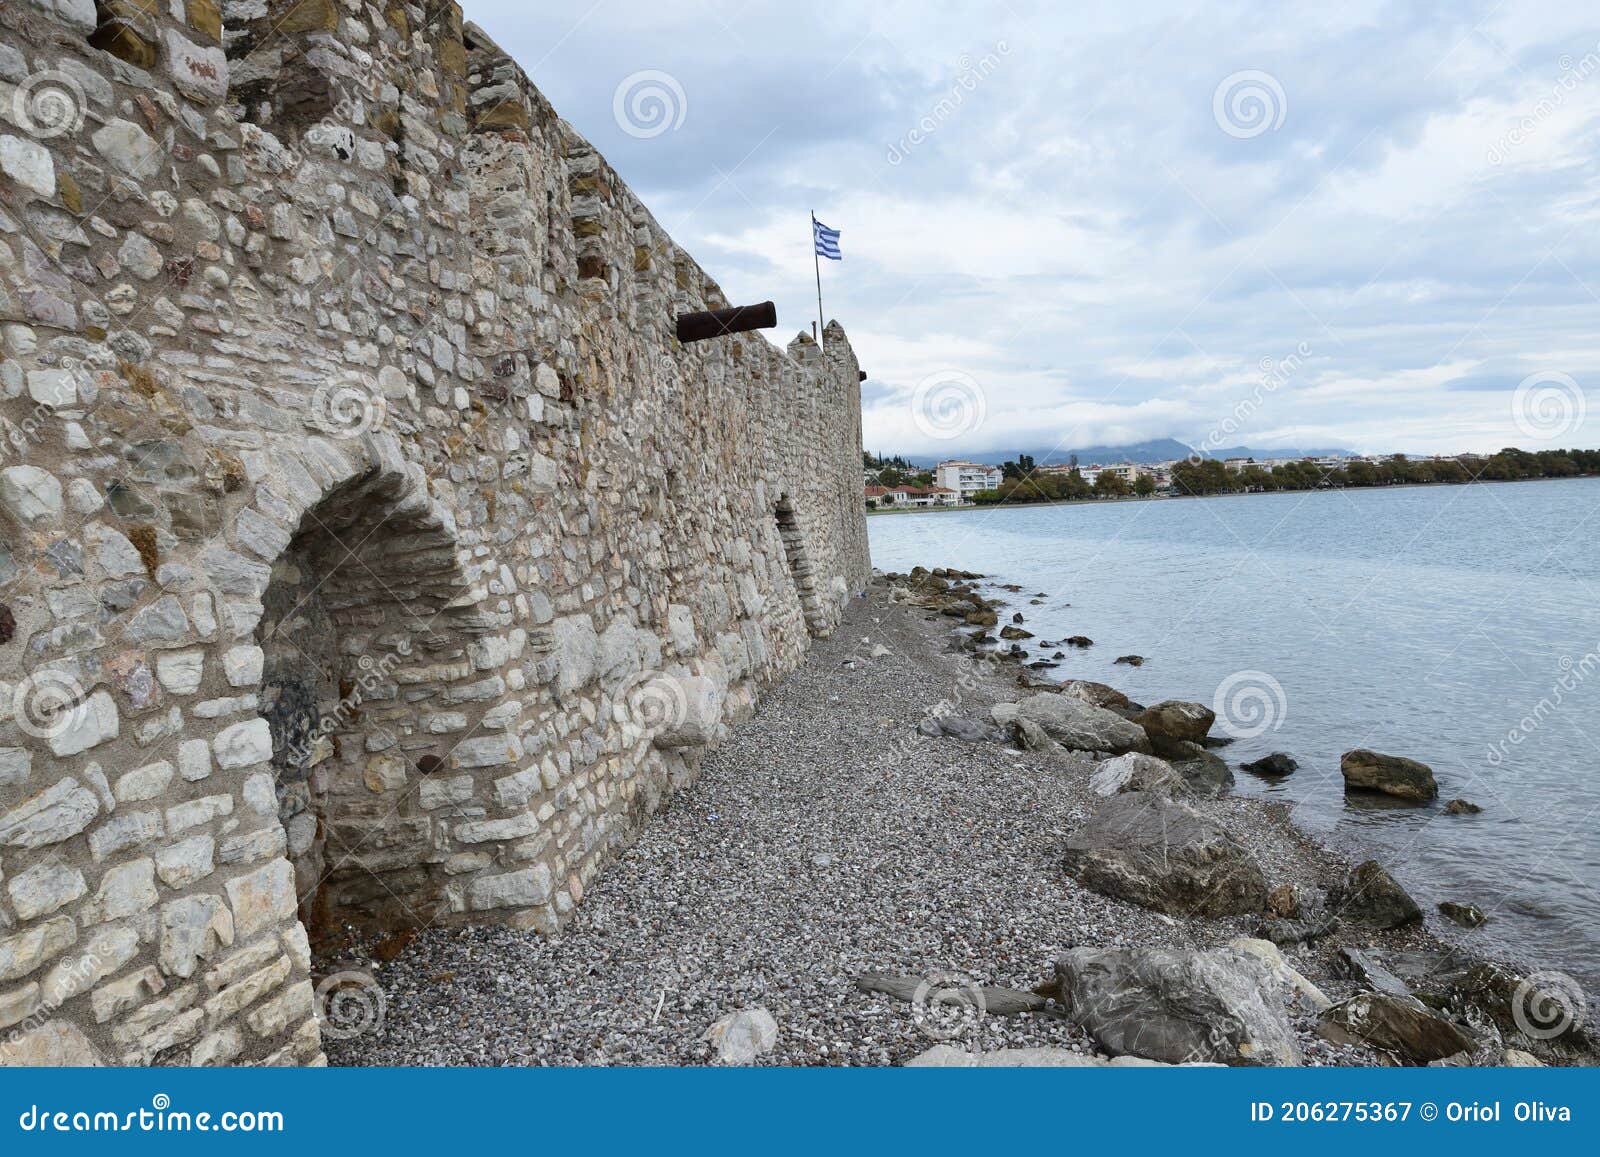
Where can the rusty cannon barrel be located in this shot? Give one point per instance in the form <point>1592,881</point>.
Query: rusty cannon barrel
<point>734,319</point>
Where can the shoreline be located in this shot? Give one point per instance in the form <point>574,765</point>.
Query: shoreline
<point>827,839</point>
<point>1220,494</point>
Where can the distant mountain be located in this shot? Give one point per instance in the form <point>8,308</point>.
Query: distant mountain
<point>1160,450</point>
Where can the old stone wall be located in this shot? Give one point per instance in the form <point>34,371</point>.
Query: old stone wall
<point>371,553</point>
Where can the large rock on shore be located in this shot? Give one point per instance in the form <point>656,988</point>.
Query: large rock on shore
<point>1074,724</point>
<point>1163,854</point>
<point>1399,1025</point>
<point>1097,694</point>
<point>1178,1005</point>
<point>1391,774</point>
<point>1174,721</point>
<point>1371,897</point>
<point>1206,774</point>
<point>1136,772</point>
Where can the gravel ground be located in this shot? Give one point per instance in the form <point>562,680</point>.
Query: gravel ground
<point>825,839</point>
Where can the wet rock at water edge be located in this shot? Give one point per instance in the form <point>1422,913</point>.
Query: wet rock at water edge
<point>1131,660</point>
<point>1015,633</point>
<point>1074,724</point>
<point>1208,777</point>
<point>1466,915</point>
<point>1162,854</point>
<point>1371,897</point>
<point>1017,618</point>
<point>1393,775</point>
<point>1137,772</point>
<point>1368,973</point>
<point>1403,1027</point>
<point>1178,1005</point>
<point>1078,641</point>
<point>1173,722</point>
<point>1461,807</point>
<point>1275,764</point>
<point>1099,694</point>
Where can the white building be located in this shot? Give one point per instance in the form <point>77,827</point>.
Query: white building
<point>967,478</point>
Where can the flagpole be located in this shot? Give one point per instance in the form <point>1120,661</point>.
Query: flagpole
<point>817,265</point>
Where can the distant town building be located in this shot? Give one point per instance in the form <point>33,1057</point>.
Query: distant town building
<point>967,478</point>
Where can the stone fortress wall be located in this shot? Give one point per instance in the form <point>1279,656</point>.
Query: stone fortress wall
<point>371,552</point>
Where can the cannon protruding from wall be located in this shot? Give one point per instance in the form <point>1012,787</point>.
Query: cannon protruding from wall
<point>718,322</point>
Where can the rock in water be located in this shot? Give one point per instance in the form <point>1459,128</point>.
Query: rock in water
<point>1405,1027</point>
<point>1391,774</point>
<point>1074,724</point>
<point>741,1037</point>
<point>1174,721</point>
<point>1275,764</point>
<point>1163,854</point>
<point>1370,896</point>
<point>1462,807</point>
<point>1178,1005</point>
<point>1136,772</point>
<point>1131,660</point>
<point>1466,915</point>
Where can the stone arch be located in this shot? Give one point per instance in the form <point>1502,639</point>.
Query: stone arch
<point>379,690</point>
<point>801,569</point>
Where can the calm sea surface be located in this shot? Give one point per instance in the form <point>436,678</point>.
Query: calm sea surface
<point>1434,622</point>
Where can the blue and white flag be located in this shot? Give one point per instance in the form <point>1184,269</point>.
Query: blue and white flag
<point>827,241</point>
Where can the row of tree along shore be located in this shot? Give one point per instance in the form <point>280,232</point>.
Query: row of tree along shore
<point>1198,476</point>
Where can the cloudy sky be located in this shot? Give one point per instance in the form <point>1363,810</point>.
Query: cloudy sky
<point>1373,226</point>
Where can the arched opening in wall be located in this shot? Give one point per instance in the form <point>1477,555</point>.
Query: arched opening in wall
<point>361,689</point>
<point>800,568</point>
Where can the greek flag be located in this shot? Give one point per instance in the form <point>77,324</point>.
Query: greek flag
<point>827,241</point>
